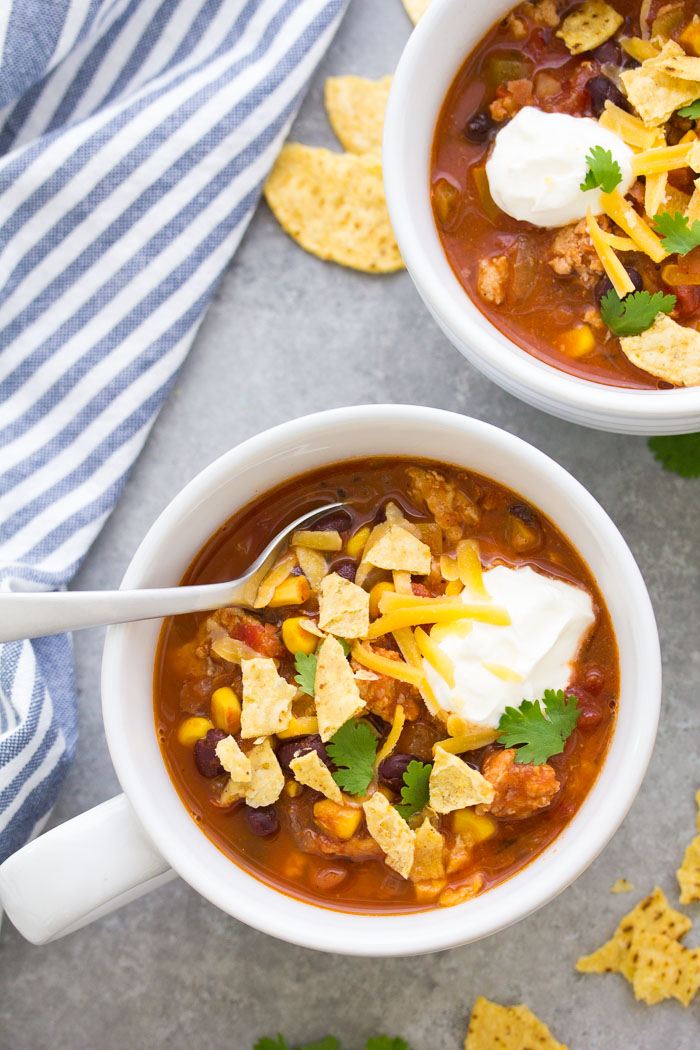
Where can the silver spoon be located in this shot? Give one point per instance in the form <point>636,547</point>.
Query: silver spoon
<point>32,615</point>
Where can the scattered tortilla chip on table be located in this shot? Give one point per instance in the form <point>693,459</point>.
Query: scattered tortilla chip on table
<point>589,26</point>
<point>267,698</point>
<point>333,205</point>
<point>667,350</point>
<point>308,769</point>
<point>495,1027</point>
<point>337,695</point>
<point>689,872</point>
<point>343,608</point>
<point>355,107</point>
<point>455,785</point>
<point>236,764</point>
<point>415,9</point>
<point>621,885</point>
<point>399,550</point>
<point>428,861</point>
<point>391,833</point>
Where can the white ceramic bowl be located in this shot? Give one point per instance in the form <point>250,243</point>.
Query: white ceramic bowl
<point>438,46</point>
<point>55,884</point>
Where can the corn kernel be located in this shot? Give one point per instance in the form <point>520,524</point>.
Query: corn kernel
<point>356,543</point>
<point>226,709</point>
<point>577,342</point>
<point>339,821</point>
<point>476,826</point>
<point>294,865</point>
<point>292,591</point>
<point>375,594</point>
<point>193,729</point>
<point>304,725</point>
<point>292,789</point>
<point>428,889</point>
<point>296,638</point>
<point>690,37</point>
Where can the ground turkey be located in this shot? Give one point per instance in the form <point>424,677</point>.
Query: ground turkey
<point>520,789</point>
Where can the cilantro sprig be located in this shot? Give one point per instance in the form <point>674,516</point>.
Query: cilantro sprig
<point>677,233</point>
<point>380,1042</point>
<point>635,313</point>
<point>542,733</point>
<point>305,677</point>
<point>353,749</point>
<point>416,790</point>
<point>603,172</point>
<point>679,453</point>
<point>692,111</point>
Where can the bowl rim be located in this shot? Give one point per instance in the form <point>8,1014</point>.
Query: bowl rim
<point>501,359</point>
<point>287,918</point>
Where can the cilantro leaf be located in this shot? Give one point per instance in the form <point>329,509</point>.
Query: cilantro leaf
<point>305,667</point>
<point>603,171</point>
<point>635,313</point>
<point>385,1042</point>
<point>271,1044</point>
<point>543,733</point>
<point>346,646</point>
<point>329,1043</point>
<point>353,748</point>
<point>677,235</point>
<point>692,111</point>
<point>679,453</point>
<point>415,791</point>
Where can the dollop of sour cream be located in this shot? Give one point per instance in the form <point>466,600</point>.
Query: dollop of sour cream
<point>538,163</point>
<point>500,666</point>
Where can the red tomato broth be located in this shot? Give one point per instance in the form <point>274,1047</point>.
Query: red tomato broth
<point>368,885</point>
<point>540,306</point>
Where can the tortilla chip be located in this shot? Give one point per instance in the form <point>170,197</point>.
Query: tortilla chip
<point>391,833</point>
<point>400,551</point>
<point>236,764</point>
<point>621,886</point>
<point>689,872</point>
<point>265,783</point>
<point>455,785</point>
<point>355,108</point>
<point>333,205</point>
<point>507,1028</point>
<point>314,566</point>
<point>337,695</point>
<point>668,350</point>
<point>589,26</point>
<point>343,608</point>
<point>267,698</point>
<point>680,66</point>
<point>664,969</point>
<point>427,862</point>
<point>415,9</point>
<point>308,769</point>
<point>652,916</point>
<point>654,94</point>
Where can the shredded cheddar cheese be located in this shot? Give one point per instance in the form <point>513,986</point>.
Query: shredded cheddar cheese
<point>437,659</point>
<point>383,665</point>
<point>621,211</point>
<point>621,280</point>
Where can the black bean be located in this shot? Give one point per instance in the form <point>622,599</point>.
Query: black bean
<point>523,513</point>
<point>290,749</point>
<point>605,284</point>
<point>479,127</point>
<point>603,90</point>
<point>205,756</point>
<point>262,821</point>
<point>334,521</point>
<point>392,769</point>
<point>346,567</point>
<point>609,52</point>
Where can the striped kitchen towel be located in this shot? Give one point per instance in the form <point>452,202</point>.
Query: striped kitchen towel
<point>135,136</point>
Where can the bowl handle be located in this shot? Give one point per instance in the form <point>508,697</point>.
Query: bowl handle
<point>79,871</point>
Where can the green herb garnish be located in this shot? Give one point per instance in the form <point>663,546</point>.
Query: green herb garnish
<point>692,111</point>
<point>380,1042</point>
<point>679,453</point>
<point>635,313</point>
<point>385,1042</point>
<point>353,748</point>
<point>603,172</point>
<point>543,733</point>
<point>415,791</point>
<point>305,667</point>
<point>677,234</point>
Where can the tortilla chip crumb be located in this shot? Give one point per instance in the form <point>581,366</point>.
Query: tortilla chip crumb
<point>267,698</point>
<point>455,785</point>
<point>343,608</point>
<point>589,26</point>
<point>391,833</point>
<point>308,769</point>
<point>493,1026</point>
<point>337,695</point>
<point>428,864</point>
<point>667,350</point>
<point>400,551</point>
<point>689,872</point>
<point>355,107</point>
<point>621,885</point>
<point>415,9</point>
<point>236,764</point>
<point>653,92</point>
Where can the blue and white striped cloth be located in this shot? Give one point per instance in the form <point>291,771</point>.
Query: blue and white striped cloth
<point>135,137</point>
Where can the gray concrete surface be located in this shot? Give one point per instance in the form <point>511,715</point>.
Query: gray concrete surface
<point>287,335</point>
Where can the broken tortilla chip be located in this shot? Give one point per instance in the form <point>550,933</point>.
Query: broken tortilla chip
<point>308,769</point>
<point>688,874</point>
<point>427,861</point>
<point>664,969</point>
<point>621,885</point>
<point>400,551</point>
<point>355,107</point>
<point>236,764</point>
<point>508,1028</point>
<point>333,205</point>
<point>455,785</point>
<point>667,350</point>
<point>655,95</point>
<point>415,9</point>
<point>343,608</point>
<point>391,833</point>
<point>337,695</point>
<point>266,779</point>
<point>589,26</point>
<point>267,698</point>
